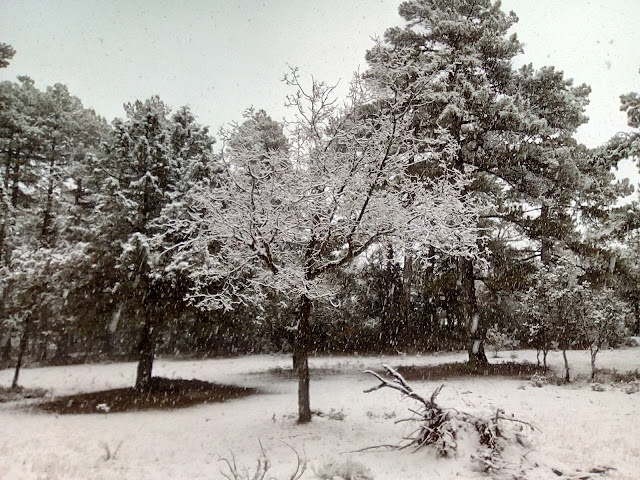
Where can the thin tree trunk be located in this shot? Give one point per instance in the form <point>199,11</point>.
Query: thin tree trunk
<point>41,341</point>
<point>146,351</point>
<point>407,277</point>
<point>15,180</point>
<point>6,349</point>
<point>47,216</point>
<point>301,355</point>
<point>24,340</point>
<point>594,353</point>
<point>475,330</point>
<point>567,379</point>
<point>545,243</point>
<point>2,237</point>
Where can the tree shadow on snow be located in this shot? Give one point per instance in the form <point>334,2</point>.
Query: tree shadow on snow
<point>164,394</point>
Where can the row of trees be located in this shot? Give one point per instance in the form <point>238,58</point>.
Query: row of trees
<point>444,195</point>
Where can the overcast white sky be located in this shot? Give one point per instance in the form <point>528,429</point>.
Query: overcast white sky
<point>221,57</point>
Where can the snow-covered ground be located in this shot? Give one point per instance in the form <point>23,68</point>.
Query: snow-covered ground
<point>579,428</point>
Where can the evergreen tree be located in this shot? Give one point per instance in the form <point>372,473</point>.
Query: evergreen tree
<point>6,53</point>
<point>154,161</point>
<point>510,129</point>
<point>46,139</point>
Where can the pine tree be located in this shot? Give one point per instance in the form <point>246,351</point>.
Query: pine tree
<point>6,53</point>
<point>45,137</point>
<point>511,129</point>
<point>154,162</point>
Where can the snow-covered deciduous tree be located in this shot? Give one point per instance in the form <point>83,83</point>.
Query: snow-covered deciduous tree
<point>285,215</point>
<point>565,310</point>
<point>498,340</point>
<point>552,309</point>
<point>601,320</point>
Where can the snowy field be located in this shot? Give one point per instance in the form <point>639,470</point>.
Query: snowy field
<point>579,428</point>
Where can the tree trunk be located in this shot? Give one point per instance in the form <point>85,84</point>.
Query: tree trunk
<point>301,359</point>
<point>545,243</point>
<point>47,216</point>
<point>567,379</point>
<point>64,346</point>
<point>24,340</point>
<point>407,277</point>
<point>42,340</point>
<point>146,351</point>
<point>6,349</point>
<point>2,237</point>
<point>594,352</point>
<point>475,330</point>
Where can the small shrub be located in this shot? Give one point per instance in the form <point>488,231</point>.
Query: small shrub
<point>238,472</point>
<point>538,380</point>
<point>626,377</point>
<point>345,470</point>
<point>500,340</point>
<point>596,387</point>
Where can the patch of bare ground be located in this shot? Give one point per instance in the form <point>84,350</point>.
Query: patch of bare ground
<point>164,394</point>
<point>444,371</point>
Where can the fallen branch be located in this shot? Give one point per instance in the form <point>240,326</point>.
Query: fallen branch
<point>441,428</point>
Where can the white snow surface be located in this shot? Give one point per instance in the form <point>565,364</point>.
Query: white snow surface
<point>578,428</point>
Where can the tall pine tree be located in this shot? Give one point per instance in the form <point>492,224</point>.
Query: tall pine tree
<point>511,128</point>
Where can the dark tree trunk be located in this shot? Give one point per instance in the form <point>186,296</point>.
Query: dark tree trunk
<point>475,330</point>
<point>42,340</point>
<point>64,346</point>
<point>301,359</point>
<point>407,280</point>
<point>146,351</point>
<point>2,237</point>
<point>47,215</point>
<point>567,379</point>
<point>24,341</point>
<point>594,353</point>
<point>545,243</point>
<point>6,349</point>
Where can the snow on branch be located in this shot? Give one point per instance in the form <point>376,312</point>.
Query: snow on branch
<point>294,203</point>
<point>447,429</point>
